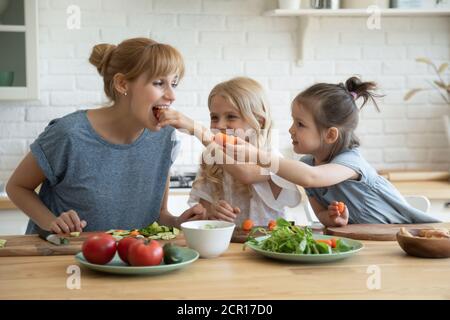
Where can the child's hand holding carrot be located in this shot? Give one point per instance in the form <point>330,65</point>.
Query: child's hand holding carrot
<point>338,213</point>
<point>174,118</point>
<point>243,151</point>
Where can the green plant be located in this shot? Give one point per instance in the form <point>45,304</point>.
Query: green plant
<point>440,85</point>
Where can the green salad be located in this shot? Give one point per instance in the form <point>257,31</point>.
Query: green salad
<point>288,238</point>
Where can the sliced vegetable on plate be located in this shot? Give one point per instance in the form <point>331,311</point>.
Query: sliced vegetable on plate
<point>153,231</point>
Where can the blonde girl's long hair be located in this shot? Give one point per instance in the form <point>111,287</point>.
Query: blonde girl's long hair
<point>249,99</point>
<point>133,57</point>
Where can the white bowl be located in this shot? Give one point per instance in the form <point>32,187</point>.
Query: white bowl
<point>210,238</point>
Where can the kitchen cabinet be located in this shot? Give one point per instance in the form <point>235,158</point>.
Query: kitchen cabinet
<point>178,199</point>
<point>19,53</point>
<point>13,221</point>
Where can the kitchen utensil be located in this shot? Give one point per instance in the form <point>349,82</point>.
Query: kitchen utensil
<point>424,247</point>
<point>309,258</point>
<point>377,232</point>
<point>317,4</point>
<point>325,4</point>
<point>52,238</point>
<point>117,266</point>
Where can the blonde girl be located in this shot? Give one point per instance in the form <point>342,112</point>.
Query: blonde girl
<point>235,192</point>
<point>107,168</point>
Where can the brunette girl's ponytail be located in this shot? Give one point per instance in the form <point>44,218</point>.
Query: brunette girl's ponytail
<point>334,105</point>
<point>359,89</point>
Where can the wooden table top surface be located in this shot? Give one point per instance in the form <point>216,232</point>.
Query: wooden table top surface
<point>239,274</point>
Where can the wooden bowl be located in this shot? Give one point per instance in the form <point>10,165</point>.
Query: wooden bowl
<point>424,247</point>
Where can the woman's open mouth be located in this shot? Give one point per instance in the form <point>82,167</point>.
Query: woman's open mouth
<point>158,109</point>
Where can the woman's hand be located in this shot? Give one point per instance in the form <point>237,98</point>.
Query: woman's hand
<point>171,117</point>
<point>67,222</point>
<point>222,210</point>
<point>340,219</point>
<point>197,212</point>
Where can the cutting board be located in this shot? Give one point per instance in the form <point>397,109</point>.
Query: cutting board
<point>32,245</point>
<point>378,232</point>
<point>240,236</point>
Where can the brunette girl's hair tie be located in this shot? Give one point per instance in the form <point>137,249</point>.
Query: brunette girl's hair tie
<point>354,95</point>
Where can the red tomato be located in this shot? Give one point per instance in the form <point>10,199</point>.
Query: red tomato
<point>145,253</point>
<point>99,248</point>
<point>333,242</point>
<point>247,225</point>
<point>326,241</point>
<point>123,246</point>
<point>272,224</point>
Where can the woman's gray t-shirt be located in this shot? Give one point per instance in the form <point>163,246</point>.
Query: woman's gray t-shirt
<point>371,199</point>
<point>111,186</point>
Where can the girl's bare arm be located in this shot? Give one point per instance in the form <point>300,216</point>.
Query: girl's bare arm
<point>308,176</point>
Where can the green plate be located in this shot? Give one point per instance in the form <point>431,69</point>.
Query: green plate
<point>117,266</point>
<point>309,258</point>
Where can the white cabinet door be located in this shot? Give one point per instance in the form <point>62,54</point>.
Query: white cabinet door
<point>13,222</point>
<point>177,203</point>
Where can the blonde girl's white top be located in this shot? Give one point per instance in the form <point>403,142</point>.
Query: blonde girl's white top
<point>260,207</point>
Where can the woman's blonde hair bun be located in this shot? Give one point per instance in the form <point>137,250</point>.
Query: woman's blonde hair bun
<point>100,56</point>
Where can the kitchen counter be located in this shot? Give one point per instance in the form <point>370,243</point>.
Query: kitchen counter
<point>239,274</point>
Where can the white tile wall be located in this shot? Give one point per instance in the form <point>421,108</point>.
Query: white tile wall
<point>225,38</point>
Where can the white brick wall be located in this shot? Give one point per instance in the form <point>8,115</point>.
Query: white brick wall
<point>225,38</point>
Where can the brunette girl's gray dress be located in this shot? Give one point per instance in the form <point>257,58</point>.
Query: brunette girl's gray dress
<point>371,198</point>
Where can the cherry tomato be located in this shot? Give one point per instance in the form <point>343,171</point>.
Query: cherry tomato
<point>99,248</point>
<point>326,241</point>
<point>123,246</point>
<point>145,253</point>
<point>247,225</point>
<point>333,242</point>
<point>272,224</point>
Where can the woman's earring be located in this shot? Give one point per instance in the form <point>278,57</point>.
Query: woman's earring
<point>125,93</point>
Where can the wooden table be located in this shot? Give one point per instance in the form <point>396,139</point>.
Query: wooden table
<point>238,274</point>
